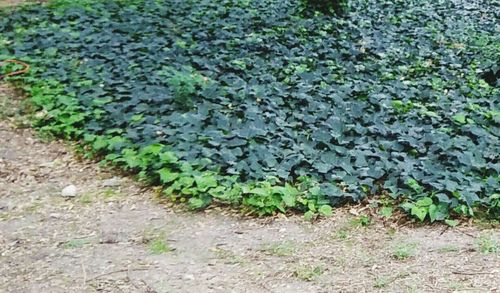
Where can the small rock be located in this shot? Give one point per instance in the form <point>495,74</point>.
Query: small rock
<point>55,215</point>
<point>69,191</point>
<point>113,182</point>
<point>188,277</point>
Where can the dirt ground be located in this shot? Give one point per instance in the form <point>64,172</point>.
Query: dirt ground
<point>116,236</point>
<point>5,3</point>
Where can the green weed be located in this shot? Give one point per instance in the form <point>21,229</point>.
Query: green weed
<point>448,248</point>
<point>76,243</point>
<point>404,251</point>
<point>85,198</point>
<point>342,234</point>
<point>228,256</point>
<point>361,221</point>
<point>286,248</point>
<point>309,272</point>
<point>381,282</point>
<point>159,246</point>
<point>487,243</point>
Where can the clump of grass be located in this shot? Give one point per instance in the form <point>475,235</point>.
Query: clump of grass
<point>228,256</point>
<point>404,251</point>
<point>381,282</point>
<point>285,248</point>
<point>361,221</point>
<point>85,199</point>
<point>76,243</point>
<point>487,243</point>
<point>448,248</point>
<point>342,234</point>
<point>309,272</point>
<point>159,246</point>
<point>109,193</point>
<point>384,281</point>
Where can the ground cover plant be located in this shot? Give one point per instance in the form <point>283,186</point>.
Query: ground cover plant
<point>269,105</point>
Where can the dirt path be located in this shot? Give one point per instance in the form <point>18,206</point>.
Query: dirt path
<point>5,3</point>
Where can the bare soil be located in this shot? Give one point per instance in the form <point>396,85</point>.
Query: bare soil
<point>5,3</point>
<point>116,236</point>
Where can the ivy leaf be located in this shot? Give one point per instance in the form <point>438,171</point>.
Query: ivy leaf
<point>205,182</point>
<point>99,143</point>
<point>309,215</point>
<point>414,185</point>
<point>166,175</point>
<point>460,118</point>
<point>386,212</point>
<point>419,212</point>
<point>168,157</point>
<point>289,195</point>
<point>433,212</point>
<point>424,202</point>
<point>325,210</point>
<point>197,203</point>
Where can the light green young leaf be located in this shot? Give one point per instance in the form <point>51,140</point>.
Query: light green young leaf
<point>424,202</point>
<point>325,210</point>
<point>166,175</point>
<point>309,215</point>
<point>205,182</point>
<point>386,212</point>
<point>419,212</point>
<point>433,212</point>
<point>460,118</point>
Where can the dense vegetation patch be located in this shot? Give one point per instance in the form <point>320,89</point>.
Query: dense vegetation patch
<point>256,103</point>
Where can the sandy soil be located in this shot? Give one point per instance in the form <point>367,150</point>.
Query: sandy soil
<point>5,3</point>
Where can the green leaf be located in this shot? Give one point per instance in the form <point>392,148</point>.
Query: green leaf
<point>309,215</point>
<point>152,149</point>
<point>205,182</point>
<point>168,158</point>
<point>290,195</point>
<point>99,143</point>
<point>407,206</point>
<point>166,175</point>
<point>460,118</point>
<point>451,223</point>
<point>386,212</point>
<point>413,184</point>
<point>325,210</point>
<point>289,200</point>
<point>260,191</point>
<point>130,158</point>
<point>433,212</point>
<point>419,212</point>
<point>196,203</point>
<point>424,202</point>
<point>185,181</point>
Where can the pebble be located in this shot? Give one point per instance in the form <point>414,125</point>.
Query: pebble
<point>55,215</point>
<point>188,277</point>
<point>69,191</point>
<point>112,182</point>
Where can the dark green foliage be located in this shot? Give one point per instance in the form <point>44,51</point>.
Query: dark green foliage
<point>327,6</point>
<point>395,97</point>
